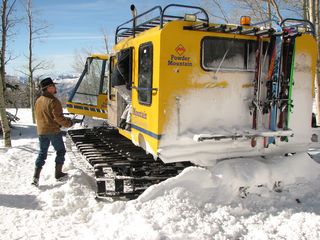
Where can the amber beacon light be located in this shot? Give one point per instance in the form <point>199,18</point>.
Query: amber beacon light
<point>245,20</point>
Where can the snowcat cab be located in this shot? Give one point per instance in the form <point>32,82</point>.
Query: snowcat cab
<point>198,91</point>
<point>89,97</point>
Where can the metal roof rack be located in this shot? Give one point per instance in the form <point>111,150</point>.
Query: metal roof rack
<point>130,28</point>
<point>299,25</point>
<point>287,26</point>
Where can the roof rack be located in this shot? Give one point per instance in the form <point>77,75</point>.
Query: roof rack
<point>299,24</point>
<point>129,28</point>
<point>288,27</point>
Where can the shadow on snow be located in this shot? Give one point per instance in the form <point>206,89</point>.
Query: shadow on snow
<point>20,201</point>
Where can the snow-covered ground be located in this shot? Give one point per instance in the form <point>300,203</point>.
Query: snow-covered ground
<point>198,204</point>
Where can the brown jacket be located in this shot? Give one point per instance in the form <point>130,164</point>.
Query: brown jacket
<point>49,115</point>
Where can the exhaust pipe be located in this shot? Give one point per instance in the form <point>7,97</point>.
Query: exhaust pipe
<point>134,14</point>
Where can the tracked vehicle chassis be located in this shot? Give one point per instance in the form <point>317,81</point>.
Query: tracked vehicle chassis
<point>121,169</point>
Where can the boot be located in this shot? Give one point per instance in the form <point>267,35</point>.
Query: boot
<point>59,174</point>
<point>36,176</point>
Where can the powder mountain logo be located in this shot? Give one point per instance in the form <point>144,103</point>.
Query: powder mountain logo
<point>180,49</point>
<point>179,59</point>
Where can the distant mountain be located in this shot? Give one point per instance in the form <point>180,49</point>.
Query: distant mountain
<point>19,95</point>
<point>65,87</point>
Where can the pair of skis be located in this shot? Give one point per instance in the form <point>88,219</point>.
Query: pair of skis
<point>287,83</point>
<point>275,83</point>
<point>279,84</point>
<point>255,105</point>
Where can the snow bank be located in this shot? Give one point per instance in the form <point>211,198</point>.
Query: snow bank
<point>221,183</point>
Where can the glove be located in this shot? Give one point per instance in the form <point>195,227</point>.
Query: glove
<point>75,120</point>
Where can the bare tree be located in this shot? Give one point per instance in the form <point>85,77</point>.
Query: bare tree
<point>35,31</point>
<point>259,10</point>
<point>105,40</point>
<point>276,8</point>
<point>3,116</point>
<point>216,4</point>
<point>6,23</point>
<point>311,9</point>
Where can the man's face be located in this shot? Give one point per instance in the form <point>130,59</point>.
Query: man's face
<point>52,89</point>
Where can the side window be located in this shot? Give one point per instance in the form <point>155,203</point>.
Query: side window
<point>145,73</point>
<point>228,54</point>
<point>121,74</point>
<point>91,82</point>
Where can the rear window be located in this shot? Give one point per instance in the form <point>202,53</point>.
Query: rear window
<point>228,54</point>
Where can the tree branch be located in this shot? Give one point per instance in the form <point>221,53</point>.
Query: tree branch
<point>276,7</point>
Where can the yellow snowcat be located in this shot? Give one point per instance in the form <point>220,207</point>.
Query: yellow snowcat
<point>179,90</point>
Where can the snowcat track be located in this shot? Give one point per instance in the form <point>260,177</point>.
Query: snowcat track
<point>121,169</point>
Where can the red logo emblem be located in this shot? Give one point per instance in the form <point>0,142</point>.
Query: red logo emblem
<point>180,49</point>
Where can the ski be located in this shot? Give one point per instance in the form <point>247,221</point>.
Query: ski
<point>292,35</point>
<point>267,103</point>
<point>286,105</point>
<point>275,85</point>
<point>285,82</point>
<point>255,105</point>
<point>290,105</point>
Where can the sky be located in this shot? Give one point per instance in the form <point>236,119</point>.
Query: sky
<point>74,26</point>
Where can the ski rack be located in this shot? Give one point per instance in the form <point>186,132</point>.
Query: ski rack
<point>125,30</point>
<point>242,135</point>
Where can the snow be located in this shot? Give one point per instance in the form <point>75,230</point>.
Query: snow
<point>199,203</point>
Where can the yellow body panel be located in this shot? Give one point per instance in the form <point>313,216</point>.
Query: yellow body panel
<point>99,111</point>
<point>100,56</point>
<point>310,50</point>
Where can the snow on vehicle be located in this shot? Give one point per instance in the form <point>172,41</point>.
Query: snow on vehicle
<point>186,90</point>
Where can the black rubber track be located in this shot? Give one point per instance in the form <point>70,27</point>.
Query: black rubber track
<point>121,169</point>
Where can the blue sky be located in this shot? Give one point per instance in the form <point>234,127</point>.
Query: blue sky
<point>74,25</point>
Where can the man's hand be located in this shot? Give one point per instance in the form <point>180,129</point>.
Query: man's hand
<point>75,120</point>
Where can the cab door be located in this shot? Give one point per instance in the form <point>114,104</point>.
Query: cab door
<point>89,97</point>
<point>120,85</point>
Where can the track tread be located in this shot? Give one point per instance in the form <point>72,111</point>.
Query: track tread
<point>121,169</point>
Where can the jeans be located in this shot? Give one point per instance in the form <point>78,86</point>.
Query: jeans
<point>58,145</point>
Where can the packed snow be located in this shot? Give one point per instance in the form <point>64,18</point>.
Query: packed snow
<point>199,203</point>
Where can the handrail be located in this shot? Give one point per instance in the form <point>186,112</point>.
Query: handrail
<point>183,6</point>
<point>119,29</point>
<point>300,22</point>
<point>135,18</point>
<point>123,31</point>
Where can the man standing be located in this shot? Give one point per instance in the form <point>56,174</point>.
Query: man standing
<point>49,119</point>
